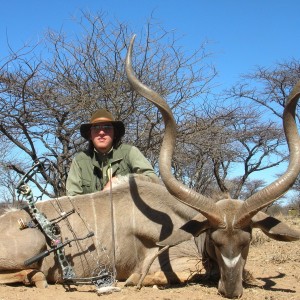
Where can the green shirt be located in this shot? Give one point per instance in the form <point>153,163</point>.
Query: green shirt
<point>90,172</point>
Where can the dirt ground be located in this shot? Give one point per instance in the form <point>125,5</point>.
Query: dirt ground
<point>275,265</point>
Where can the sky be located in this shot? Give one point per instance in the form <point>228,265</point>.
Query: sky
<point>241,34</point>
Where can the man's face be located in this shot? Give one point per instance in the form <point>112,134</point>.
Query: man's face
<point>102,136</point>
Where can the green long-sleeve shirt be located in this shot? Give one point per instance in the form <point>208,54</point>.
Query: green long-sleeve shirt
<point>90,172</point>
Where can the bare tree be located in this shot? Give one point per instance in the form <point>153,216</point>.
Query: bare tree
<point>48,90</point>
<point>249,188</point>
<point>211,147</point>
<point>266,90</point>
<point>294,206</point>
<point>259,146</point>
<point>269,86</point>
<point>8,178</point>
<point>8,181</point>
<point>296,186</point>
<point>46,93</point>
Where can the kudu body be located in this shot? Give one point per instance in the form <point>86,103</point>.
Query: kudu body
<point>228,223</point>
<point>144,213</point>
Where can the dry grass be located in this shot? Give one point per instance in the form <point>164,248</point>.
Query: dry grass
<point>276,253</point>
<point>259,238</point>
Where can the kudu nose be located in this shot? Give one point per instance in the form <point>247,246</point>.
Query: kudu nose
<point>230,291</point>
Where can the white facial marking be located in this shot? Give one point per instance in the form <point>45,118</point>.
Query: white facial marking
<point>233,221</point>
<point>230,263</point>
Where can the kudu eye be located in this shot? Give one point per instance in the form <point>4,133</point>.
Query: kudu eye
<point>217,239</point>
<point>244,239</point>
<point>218,244</point>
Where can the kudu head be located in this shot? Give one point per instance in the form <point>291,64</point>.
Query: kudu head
<point>228,223</point>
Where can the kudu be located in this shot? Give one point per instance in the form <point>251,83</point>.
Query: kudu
<point>144,213</point>
<point>228,223</point>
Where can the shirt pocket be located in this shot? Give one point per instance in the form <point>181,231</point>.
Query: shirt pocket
<point>122,170</point>
<point>86,186</point>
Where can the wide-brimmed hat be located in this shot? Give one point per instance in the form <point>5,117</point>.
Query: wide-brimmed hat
<point>101,116</point>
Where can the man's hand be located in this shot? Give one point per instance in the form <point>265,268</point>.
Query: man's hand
<point>110,183</point>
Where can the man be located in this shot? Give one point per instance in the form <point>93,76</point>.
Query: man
<point>106,157</point>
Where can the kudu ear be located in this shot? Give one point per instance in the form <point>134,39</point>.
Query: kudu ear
<point>192,228</point>
<point>274,228</point>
